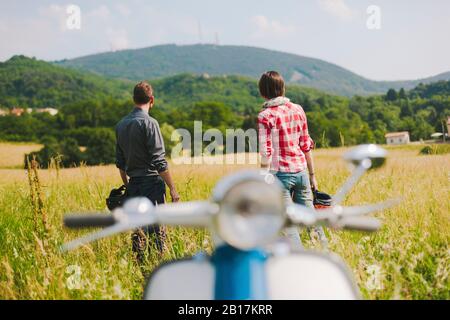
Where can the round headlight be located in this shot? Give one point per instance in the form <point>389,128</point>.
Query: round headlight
<point>252,210</point>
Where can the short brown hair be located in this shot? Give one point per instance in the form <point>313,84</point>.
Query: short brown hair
<point>271,85</point>
<point>142,93</point>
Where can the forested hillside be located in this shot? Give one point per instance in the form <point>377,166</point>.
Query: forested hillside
<point>36,84</point>
<point>169,60</point>
<point>90,107</point>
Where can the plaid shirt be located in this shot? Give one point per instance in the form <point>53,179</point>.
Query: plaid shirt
<point>283,136</point>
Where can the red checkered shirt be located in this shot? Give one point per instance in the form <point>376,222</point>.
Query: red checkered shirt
<point>283,136</point>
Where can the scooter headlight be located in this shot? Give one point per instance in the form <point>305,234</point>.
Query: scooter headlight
<point>252,210</point>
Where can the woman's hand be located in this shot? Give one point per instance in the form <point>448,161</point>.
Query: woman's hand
<point>313,182</point>
<point>312,177</point>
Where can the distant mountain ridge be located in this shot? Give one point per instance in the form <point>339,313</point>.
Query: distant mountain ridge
<point>168,60</point>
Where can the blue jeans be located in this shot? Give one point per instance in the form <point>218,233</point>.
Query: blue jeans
<point>297,188</point>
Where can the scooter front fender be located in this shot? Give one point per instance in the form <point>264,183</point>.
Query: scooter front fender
<point>299,275</point>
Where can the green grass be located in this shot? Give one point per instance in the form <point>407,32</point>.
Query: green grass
<point>435,149</point>
<point>409,258</point>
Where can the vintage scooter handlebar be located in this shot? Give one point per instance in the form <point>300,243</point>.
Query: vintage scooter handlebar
<point>139,213</point>
<point>199,214</point>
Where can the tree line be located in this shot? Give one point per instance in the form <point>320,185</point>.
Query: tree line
<point>83,131</point>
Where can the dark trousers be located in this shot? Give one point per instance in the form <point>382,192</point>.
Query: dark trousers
<point>154,188</point>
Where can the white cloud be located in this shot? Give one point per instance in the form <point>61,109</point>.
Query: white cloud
<point>101,12</point>
<point>123,9</point>
<point>165,26</point>
<point>118,39</point>
<point>54,13</point>
<point>338,8</point>
<point>266,27</point>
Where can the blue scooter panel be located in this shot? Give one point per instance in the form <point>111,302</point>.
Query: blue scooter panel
<point>294,276</point>
<point>239,275</point>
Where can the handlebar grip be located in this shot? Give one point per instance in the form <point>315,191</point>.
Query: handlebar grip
<point>361,223</point>
<point>89,221</point>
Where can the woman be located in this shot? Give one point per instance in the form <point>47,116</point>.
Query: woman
<point>285,146</point>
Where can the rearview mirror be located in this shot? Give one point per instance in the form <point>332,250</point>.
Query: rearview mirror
<point>370,156</point>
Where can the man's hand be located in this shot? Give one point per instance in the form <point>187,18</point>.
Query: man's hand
<point>165,175</point>
<point>174,195</point>
<point>313,182</point>
<point>124,177</point>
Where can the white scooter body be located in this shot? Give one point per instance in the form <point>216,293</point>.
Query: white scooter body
<point>302,275</point>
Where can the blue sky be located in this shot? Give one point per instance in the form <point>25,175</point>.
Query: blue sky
<point>413,41</point>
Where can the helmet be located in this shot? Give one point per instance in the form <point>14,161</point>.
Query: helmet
<point>322,200</point>
<point>116,198</point>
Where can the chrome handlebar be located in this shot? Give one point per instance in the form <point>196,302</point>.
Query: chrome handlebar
<point>139,213</point>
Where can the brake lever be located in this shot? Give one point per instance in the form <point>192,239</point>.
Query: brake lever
<point>339,217</point>
<point>342,211</point>
<point>106,232</point>
<point>366,224</point>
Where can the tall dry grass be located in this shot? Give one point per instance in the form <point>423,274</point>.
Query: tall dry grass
<point>409,258</point>
<point>12,154</point>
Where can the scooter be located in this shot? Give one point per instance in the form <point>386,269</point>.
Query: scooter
<point>246,216</point>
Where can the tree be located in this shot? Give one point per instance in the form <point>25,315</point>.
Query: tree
<point>66,153</point>
<point>391,95</point>
<point>402,94</point>
<point>101,147</point>
<point>406,109</point>
<point>167,131</point>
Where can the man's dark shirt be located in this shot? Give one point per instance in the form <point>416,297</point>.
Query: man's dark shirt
<point>140,146</point>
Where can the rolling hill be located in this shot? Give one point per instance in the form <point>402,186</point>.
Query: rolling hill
<point>28,82</point>
<point>32,83</point>
<point>238,92</point>
<point>168,60</point>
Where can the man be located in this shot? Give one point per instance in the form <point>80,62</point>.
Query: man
<point>140,156</point>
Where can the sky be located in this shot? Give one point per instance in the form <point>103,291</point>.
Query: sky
<point>378,39</point>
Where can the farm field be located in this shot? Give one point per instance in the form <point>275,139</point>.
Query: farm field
<point>12,154</point>
<point>409,258</point>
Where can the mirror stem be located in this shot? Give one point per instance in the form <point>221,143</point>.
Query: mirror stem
<point>350,183</point>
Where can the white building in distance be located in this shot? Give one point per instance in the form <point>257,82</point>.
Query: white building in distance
<point>51,111</point>
<point>397,138</point>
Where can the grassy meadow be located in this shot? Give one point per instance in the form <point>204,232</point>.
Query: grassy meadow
<point>12,154</point>
<point>409,258</point>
